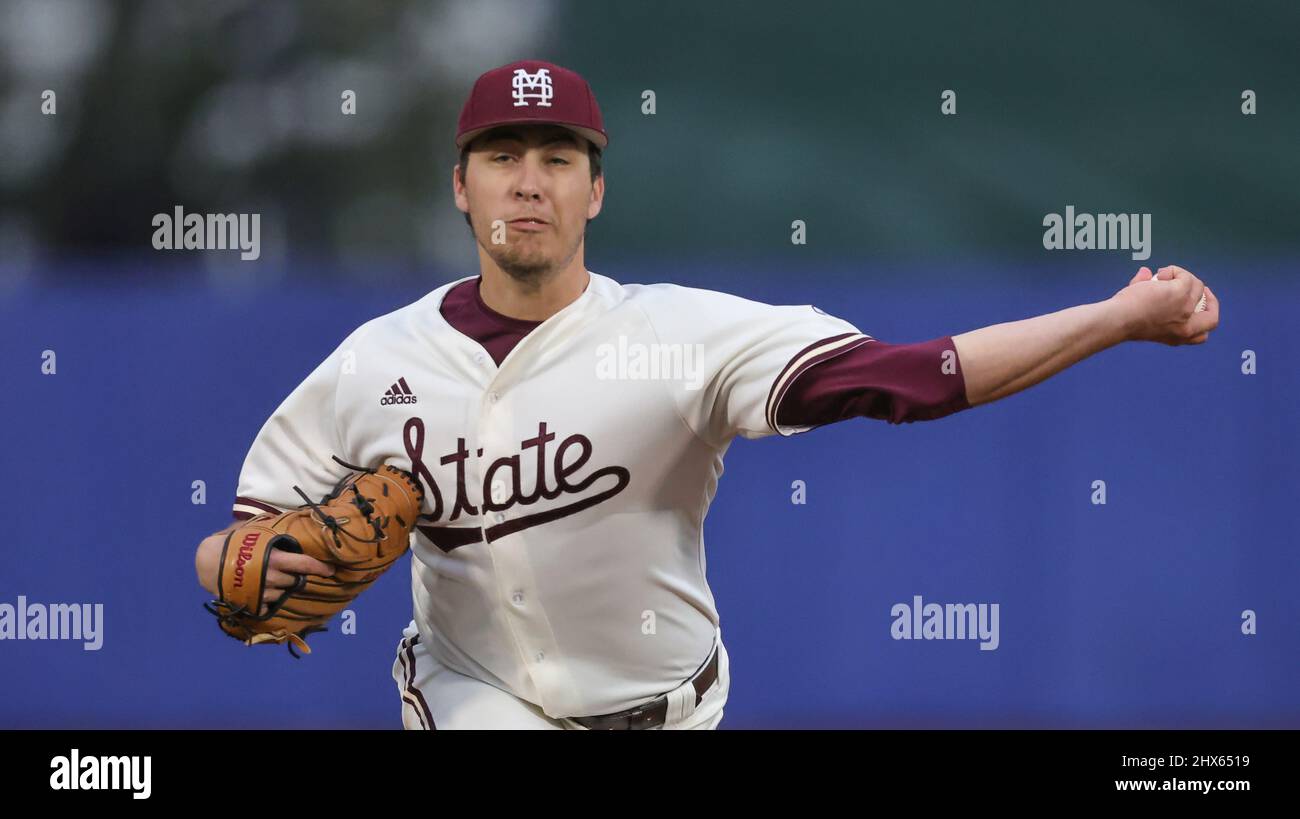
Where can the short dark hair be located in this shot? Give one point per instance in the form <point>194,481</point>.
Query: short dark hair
<point>593,159</point>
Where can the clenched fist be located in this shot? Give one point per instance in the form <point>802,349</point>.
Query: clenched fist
<point>1163,307</point>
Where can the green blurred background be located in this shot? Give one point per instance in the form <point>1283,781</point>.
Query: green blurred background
<point>767,112</point>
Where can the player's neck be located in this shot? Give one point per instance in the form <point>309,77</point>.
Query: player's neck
<point>533,301</point>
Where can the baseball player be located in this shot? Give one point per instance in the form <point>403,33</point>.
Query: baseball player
<point>568,432</point>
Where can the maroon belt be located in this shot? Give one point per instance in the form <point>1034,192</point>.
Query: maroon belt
<point>653,713</point>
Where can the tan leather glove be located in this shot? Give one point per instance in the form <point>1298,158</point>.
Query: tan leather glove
<point>360,528</point>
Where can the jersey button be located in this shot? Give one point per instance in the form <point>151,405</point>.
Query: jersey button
<point>492,397</point>
<point>500,517</point>
<point>478,358</point>
<point>541,655</point>
<point>518,598</point>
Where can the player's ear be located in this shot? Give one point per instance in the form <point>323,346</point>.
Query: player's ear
<point>597,199</point>
<point>458,189</point>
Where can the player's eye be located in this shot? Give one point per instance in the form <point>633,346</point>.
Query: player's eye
<point>560,160</point>
<point>499,157</point>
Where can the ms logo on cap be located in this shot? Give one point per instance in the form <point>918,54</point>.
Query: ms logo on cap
<point>539,84</point>
<point>531,92</point>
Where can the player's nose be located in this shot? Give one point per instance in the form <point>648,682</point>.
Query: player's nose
<point>528,184</point>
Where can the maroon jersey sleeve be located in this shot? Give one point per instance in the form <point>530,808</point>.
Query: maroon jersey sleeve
<point>898,383</point>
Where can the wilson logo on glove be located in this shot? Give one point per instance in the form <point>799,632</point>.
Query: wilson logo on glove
<point>245,555</point>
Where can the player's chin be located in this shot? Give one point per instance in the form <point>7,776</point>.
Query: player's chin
<point>527,251</point>
<point>524,261</point>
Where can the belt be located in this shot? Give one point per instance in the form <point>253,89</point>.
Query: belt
<point>652,714</point>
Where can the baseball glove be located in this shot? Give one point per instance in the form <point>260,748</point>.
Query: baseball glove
<point>360,528</point>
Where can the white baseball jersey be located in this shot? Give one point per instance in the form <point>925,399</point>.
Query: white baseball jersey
<point>560,553</point>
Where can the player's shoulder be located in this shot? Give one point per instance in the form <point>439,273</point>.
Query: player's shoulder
<point>668,300</point>
<point>677,309</point>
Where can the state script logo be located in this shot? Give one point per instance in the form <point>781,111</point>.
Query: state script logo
<point>532,86</point>
<point>556,474</point>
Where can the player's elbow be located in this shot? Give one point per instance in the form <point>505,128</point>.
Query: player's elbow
<point>925,412</point>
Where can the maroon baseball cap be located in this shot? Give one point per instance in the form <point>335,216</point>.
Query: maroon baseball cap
<point>532,92</point>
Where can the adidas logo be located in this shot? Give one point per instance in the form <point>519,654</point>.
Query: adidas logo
<point>399,393</point>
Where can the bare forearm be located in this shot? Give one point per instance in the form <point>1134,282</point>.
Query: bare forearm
<point>901,383</point>
<point>1003,359</point>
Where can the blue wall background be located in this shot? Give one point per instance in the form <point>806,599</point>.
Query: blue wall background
<point>1123,615</point>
